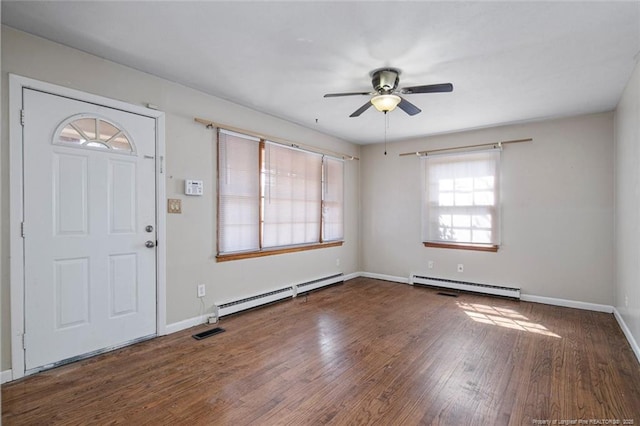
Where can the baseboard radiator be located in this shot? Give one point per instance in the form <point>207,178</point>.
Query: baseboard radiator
<point>320,282</point>
<point>229,308</point>
<point>494,290</point>
<point>224,309</point>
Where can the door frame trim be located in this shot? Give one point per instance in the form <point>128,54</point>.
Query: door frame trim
<point>16,214</point>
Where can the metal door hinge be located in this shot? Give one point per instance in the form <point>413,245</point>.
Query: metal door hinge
<point>22,117</point>
<point>22,229</point>
<point>24,341</point>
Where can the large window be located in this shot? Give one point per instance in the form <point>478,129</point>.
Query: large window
<point>461,200</point>
<point>274,198</point>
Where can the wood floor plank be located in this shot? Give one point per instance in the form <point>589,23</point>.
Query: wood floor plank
<point>366,352</point>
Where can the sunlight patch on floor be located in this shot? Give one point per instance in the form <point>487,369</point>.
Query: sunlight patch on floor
<point>503,317</point>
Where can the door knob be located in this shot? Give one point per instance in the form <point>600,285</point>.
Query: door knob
<point>149,228</point>
<point>150,244</point>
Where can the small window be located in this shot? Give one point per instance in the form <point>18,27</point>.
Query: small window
<point>461,200</point>
<point>93,132</point>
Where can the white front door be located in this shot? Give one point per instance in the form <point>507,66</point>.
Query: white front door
<point>89,228</point>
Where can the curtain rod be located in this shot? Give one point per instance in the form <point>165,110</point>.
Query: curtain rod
<point>466,147</point>
<point>211,124</point>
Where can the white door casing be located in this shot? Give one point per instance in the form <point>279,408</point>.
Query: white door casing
<point>89,281</point>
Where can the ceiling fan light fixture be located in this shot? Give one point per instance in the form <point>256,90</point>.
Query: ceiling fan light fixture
<point>385,103</point>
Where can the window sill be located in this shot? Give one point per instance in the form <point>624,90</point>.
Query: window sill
<point>461,246</point>
<point>272,252</point>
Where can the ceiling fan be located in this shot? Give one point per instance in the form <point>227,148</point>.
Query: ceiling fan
<point>385,96</point>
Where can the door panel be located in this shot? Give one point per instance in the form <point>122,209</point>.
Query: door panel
<point>71,298</point>
<point>122,197</point>
<point>90,282</point>
<point>70,194</point>
<point>123,284</point>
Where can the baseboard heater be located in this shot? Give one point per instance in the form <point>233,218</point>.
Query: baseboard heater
<point>320,282</point>
<point>465,286</point>
<point>235,306</point>
<point>229,308</point>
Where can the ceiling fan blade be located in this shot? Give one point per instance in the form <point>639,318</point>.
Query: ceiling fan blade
<point>362,109</point>
<point>335,95</point>
<point>429,88</point>
<point>408,107</point>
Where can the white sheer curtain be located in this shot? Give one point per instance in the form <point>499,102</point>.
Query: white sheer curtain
<point>461,197</point>
<point>238,192</point>
<point>291,196</point>
<point>333,199</point>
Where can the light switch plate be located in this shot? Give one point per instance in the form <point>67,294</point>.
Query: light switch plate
<point>174,205</point>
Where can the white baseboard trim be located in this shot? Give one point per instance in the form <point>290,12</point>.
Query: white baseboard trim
<point>184,324</point>
<point>384,277</point>
<point>352,276</point>
<point>6,376</point>
<point>567,303</point>
<point>627,333</point>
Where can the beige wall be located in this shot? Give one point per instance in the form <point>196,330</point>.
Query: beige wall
<point>190,154</point>
<point>557,196</point>
<point>557,230</point>
<point>627,179</point>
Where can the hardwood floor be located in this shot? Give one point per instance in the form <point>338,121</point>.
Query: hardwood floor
<point>364,352</point>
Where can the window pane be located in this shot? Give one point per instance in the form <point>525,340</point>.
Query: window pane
<point>481,236</point>
<point>464,184</point>
<point>71,135</point>
<point>462,235</point>
<point>484,182</point>
<point>120,143</point>
<point>483,198</point>
<point>87,127</point>
<point>238,194</point>
<point>446,199</point>
<point>464,198</point>
<point>333,199</point>
<point>460,221</point>
<point>482,221</point>
<point>94,144</point>
<point>446,220</point>
<point>445,184</point>
<point>292,180</point>
<point>107,130</point>
<point>445,234</point>
<point>461,197</point>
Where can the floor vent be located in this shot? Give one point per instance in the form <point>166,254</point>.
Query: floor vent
<point>465,286</point>
<point>441,293</point>
<point>320,282</point>
<point>208,333</point>
<point>229,308</point>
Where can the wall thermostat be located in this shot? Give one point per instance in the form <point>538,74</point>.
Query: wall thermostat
<point>193,187</point>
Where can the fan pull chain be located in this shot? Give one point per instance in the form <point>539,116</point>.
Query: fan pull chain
<point>386,125</point>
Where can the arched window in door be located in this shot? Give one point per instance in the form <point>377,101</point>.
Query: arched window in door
<point>88,131</point>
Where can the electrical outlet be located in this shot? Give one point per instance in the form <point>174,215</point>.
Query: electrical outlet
<point>338,262</point>
<point>201,290</point>
<point>626,301</point>
<point>460,267</point>
<point>430,264</point>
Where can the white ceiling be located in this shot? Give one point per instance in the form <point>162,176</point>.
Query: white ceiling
<point>508,61</point>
